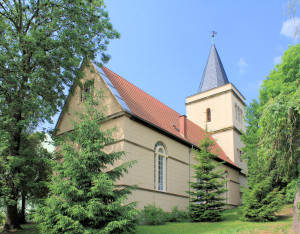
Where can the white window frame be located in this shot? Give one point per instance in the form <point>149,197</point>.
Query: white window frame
<point>160,167</point>
<point>227,187</point>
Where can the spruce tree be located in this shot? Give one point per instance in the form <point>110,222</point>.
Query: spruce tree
<point>206,202</point>
<point>83,195</point>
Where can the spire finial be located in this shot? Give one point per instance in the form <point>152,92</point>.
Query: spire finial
<point>213,33</point>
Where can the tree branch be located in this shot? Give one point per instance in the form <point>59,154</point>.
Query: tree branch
<point>34,16</point>
<point>7,14</point>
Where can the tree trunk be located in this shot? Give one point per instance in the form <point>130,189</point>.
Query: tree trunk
<point>12,221</point>
<point>296,211</point>
<point>22,218</point>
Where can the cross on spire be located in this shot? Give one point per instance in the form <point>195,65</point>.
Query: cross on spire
<point>213,33</point>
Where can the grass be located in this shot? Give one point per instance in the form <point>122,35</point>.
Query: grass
<point>229,225</point>
<point>29,228</point>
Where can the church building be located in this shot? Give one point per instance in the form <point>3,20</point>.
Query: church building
<point>163,140</point>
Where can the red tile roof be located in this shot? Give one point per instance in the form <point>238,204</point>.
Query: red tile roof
<point>150,109</point>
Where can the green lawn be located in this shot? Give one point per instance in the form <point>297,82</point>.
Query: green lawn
<point>229,225</point>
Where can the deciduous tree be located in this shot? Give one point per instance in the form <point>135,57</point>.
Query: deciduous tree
<point>42,44</point>
<point>272,139</point>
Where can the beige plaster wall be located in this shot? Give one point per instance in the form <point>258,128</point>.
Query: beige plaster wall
<point>139,145</point>
<point>223,125</point>
<point>138,142</point>
<point>74,101</point>
<point>225,140</point>
<point>220,106</point>
<point>163,200</point>
<point>238,144</point>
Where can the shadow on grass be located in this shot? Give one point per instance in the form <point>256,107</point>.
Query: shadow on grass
<point>283,217</point>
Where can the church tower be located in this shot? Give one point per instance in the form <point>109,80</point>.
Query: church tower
<point>220,107</point>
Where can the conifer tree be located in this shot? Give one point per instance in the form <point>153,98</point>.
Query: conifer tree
<point>206,202</point>
<point>83,195</point>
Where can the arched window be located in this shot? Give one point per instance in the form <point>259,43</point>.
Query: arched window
<point>160,167</point>
<point>208,115</point>
<point>226,177</point>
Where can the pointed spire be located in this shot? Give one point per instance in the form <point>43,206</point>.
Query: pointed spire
<point>214,74</point>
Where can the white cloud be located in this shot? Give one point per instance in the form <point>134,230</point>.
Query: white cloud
<point>242,65</point>
<point>290,28</point>
<point>277,60</point>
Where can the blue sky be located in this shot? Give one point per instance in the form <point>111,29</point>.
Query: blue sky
<point>164,44</point>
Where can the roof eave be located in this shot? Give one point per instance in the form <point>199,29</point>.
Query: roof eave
<point>186,142</point>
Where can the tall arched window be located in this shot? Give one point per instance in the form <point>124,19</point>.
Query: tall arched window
<point>226,177</point>
<point>160,167</point>
<point>208,115</point>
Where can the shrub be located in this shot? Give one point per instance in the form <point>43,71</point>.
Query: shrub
<point>177,215</point>
<point>152,215</point>
<point>2,217</point>
<point>261,201</point>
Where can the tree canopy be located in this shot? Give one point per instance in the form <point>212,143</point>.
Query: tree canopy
<point>42,44</point>
<point>272,143</point>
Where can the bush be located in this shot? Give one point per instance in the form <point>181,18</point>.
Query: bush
<point>31,213</point>
<point>2,218</point>
<point>152,215</point>
<point>177,215</point>
<point>261,201</point>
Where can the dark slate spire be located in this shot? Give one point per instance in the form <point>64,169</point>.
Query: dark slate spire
<point>214,74</point>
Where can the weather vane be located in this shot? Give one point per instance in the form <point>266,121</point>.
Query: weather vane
<point>213,33</point>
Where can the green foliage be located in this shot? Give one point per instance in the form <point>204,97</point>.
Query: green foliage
<point>272,144</point>
<point>261,201</point>
<point>33,168</point>
<point>206,202</point>
<point>42,44</point>
<point>291,189</point>
<point>177,215</point>
<point>83,195</point>
<point>153,215</point>
<point>2,218</point>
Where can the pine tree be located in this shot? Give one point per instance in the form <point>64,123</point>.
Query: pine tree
<point>206,202</point>
<point>83,195</point>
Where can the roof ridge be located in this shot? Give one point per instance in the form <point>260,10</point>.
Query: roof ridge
<point>160,114</point>
<point>141,89</point>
